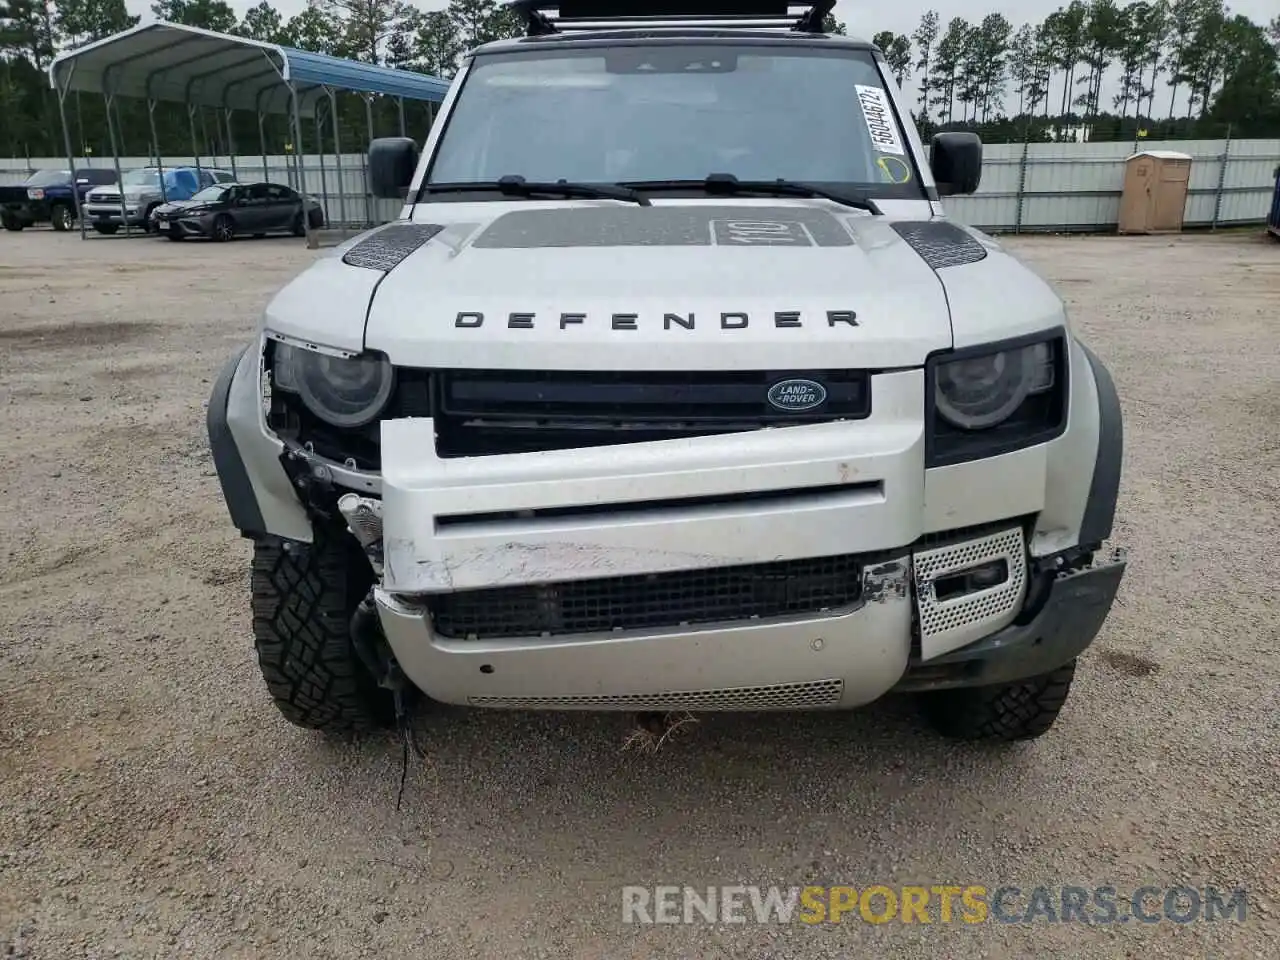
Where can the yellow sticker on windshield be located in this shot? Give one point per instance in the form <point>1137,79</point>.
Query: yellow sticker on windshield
<point>895,169</point>
<point>879,117</point>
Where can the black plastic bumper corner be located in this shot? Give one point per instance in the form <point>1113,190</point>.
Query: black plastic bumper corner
<point>237,489</point>
<point>1072,616</point>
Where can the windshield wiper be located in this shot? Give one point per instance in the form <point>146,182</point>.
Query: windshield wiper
<point>514,185</point>
<point>726,184</point>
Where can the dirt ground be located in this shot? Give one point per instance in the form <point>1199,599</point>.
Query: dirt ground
<point>153,803</point>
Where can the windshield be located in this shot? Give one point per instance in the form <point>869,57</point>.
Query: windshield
<point>48,178</point>
<point>211,194</point>
<point>141,178</point>
<point>678,112</point>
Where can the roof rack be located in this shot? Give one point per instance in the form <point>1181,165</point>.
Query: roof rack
<point>577,15</point>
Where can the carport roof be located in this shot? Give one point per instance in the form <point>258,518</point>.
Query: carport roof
<point>170,61</point>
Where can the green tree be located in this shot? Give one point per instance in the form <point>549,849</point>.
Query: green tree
<point>1103,36</point>
<point>80,21</point>
<point>948,60</point>
<point>438,46</point>
<point>1024,70</point>
<point>833,26</point>
<point>482,21</point>
<point>210,14</point>
<point>1249,101</point>
<point>1184,21</point>
<point>365,25</point>
<point>1151,23</point>
<point>925,37</point>
<point>989,47</point>
<point>312,30</point>
<point>1205,57</point>
<point>1066,29</point>
<point>28,28</point>
<point>897,53</point>
<point>264,23</point>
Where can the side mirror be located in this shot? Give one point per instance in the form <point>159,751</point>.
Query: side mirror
<point>392,162</point>
<point>956,163</point>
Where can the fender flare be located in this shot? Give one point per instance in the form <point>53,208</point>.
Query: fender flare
<point>237,489</point>
<point>1104,487</point>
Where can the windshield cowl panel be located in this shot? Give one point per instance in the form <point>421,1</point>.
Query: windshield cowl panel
<point>678,112</point>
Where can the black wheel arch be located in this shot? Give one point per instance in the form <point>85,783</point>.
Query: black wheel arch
<point>1104,486</point>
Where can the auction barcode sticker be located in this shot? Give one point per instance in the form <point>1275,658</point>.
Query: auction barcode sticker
<point>879,117</point>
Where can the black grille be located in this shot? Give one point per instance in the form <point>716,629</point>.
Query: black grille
<point>649,601</point>
<point>486,412</point>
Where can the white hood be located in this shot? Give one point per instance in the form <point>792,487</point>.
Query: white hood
<point>772,285</point>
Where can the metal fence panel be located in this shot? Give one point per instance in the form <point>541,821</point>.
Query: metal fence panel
<point>1026,187</point>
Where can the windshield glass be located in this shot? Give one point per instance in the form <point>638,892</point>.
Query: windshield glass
<point>211,194</point>
<point>47,178</point>
<point>141,178</point>
<point>678,112</point>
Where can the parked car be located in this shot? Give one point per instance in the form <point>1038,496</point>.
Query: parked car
<point>143,192</point>
<point>227,210</point>
<point>48,196</point>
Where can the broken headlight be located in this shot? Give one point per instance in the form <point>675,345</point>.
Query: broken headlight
<point>341,391</point>
<point>993,399</point>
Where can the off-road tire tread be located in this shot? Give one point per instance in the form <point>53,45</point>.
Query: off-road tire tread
<point>302,604</point>
<point>1003,713</point>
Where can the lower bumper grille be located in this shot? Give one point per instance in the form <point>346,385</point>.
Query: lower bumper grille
<point>779,696</point>
<point>651,601</point>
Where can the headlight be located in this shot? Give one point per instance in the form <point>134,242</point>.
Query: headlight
<point>344,392</point>
<point>986,401</point>
<point>980,392</point>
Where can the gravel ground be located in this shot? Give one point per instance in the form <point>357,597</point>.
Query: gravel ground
<point>153,804</point>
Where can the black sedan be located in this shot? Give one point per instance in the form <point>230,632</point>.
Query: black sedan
<point>227,210</point>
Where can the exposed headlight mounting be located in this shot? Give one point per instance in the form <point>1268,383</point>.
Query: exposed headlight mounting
<point>341,391</point>
<point>996,398</point>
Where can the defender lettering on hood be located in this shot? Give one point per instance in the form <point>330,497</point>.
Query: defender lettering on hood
<point>678,286</point>
<point>735,320</point>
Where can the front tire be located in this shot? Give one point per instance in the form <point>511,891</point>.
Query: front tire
<point>1004,712</point>
<point>224,228</point>
<point>303,599</point>
<point>61,218</point>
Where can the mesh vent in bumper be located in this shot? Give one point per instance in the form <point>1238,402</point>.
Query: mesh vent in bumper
<point>781,696</point>
<point>948,624</point>
<point>651,601</point>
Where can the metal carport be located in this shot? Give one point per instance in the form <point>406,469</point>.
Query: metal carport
<point>200,68</point>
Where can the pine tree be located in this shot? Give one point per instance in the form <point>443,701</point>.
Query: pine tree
<point>925,37</point>
<point>264,23</point>
<point>897,53</point>
<point>947,62</point>
<point>482,21</point>
<point>1103,38</point>
<point>438,46</point>
<point>213,15</point>
<point>80,21</point>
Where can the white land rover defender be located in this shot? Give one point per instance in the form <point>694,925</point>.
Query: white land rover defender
<point>672,389</point>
